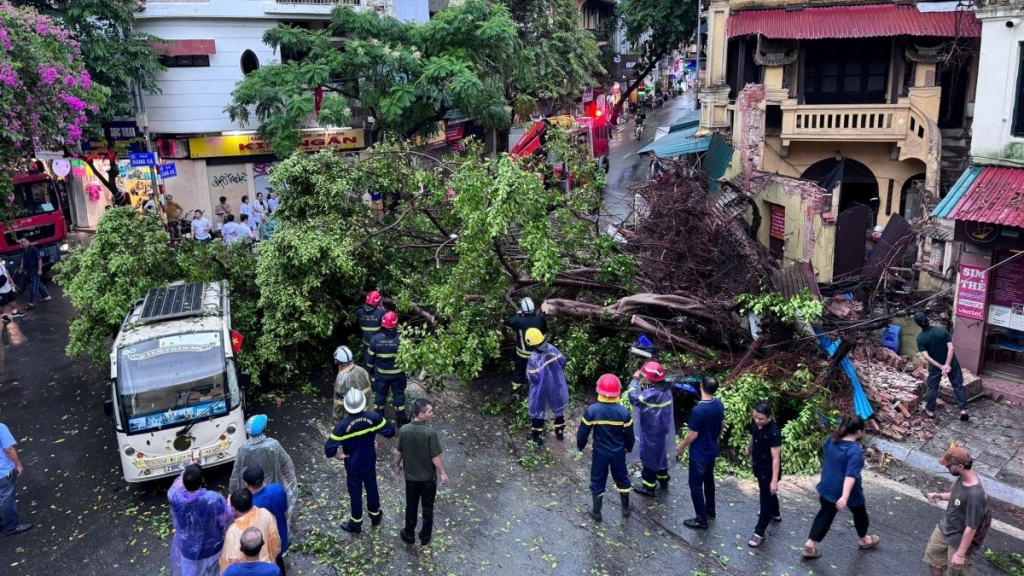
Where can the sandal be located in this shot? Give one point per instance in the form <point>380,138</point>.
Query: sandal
<point>874,539</point>
<point>755,541</point>
<point>811,554</point>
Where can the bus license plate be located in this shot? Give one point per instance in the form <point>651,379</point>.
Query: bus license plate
<point>176,467</point>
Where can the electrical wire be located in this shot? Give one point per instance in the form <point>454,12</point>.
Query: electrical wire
<point>899,313</point>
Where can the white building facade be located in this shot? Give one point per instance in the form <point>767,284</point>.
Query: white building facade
<point>212,45</point>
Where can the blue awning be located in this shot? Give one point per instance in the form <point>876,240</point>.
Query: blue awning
<point>677,144</point>
<point>957,192</point>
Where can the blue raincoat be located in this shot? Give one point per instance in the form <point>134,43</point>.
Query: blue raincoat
<point>200,519</point>
<point>548,389</point>
<point>655,426</point>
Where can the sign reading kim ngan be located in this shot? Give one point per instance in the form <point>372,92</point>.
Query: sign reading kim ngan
<point>252,145</point>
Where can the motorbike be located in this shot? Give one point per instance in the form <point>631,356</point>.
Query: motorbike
<point>638,131</point>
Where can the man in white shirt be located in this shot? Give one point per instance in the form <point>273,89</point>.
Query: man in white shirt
<point>201,227</point>
<point>7,295</point>
<point>234,232</point>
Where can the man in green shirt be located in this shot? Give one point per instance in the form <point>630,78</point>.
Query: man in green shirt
<point>419,452</point>
<point>936,348</point>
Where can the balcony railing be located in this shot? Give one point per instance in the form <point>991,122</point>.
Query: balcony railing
<point>879,122</point>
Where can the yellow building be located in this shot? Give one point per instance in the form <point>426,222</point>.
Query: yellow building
<point>858,98</point>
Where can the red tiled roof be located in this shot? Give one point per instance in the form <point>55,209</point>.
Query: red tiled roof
<point>996,197</point>
<point>869,21</point>
<point>185,48</point>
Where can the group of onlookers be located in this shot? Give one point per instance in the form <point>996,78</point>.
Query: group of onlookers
<point>254,222</point>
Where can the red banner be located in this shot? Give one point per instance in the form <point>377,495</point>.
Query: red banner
<point>778,222</point>
<point>972,291</point>
<point>454,132</point>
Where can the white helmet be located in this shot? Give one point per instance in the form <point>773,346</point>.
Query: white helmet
<point>526,305</point>
<point>355,401</point>
<point>342,355</point>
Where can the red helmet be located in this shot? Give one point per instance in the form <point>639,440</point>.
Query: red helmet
<point>389,321</point>
<point>373,298</point>
<point>609,385</point>
<point>653,371</point>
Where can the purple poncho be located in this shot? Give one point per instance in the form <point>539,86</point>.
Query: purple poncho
<point>548,389</point>
<point>200,519</point>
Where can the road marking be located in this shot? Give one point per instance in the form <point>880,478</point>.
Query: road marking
<point>627,156</point>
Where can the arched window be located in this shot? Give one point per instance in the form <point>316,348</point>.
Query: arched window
<point>250,63</point>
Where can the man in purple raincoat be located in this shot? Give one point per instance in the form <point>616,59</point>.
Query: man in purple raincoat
<point>200,519</point>
<point>548,389</point>
<point>651,397</point>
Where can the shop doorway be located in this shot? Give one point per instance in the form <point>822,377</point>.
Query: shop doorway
<point>857,183</point>
<point>1004,334</point>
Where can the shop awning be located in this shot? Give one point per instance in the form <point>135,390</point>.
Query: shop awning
<point>677,144</point>
<point>990,194</point>
<point>185,48</point>
<point>871,21</point>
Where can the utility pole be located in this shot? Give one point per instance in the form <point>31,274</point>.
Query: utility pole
<point>697,79</point>
<point>142,120</point>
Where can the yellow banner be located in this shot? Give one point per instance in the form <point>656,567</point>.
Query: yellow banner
<point>252,145</point>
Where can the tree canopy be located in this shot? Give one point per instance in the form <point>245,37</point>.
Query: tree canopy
<point>115,54</point>
<point>47,95</point>
<point>656,28</point>
<point>409,75</point>
<point>556,58</point>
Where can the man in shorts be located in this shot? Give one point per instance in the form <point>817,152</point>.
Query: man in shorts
<point>952,544</point>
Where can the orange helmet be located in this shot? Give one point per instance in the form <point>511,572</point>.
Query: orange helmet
<point>373,298</point>
<point>653,371</point>
<point>389,321</point>
<point>609,385</point>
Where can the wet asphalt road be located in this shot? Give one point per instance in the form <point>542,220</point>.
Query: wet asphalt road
<point>494,518</point>
<point>626,166</point>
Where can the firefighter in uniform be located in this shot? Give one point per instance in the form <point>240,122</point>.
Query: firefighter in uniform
<point>651,397</point>
<point>387,376</point>
<point>356,435</point>
<point>349,377</point>
<point>548,388</point>
<point>526,318</point>
<point>613,437</point>
<point>369,316</point>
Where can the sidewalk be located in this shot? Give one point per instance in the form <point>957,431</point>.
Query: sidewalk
<point>994,437</point>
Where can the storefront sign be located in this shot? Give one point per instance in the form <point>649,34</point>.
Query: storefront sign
<point>778,222</point>
<point>970,297</point>
<point>999,316</point>
<point>454,132</point>
<point>252,145</point>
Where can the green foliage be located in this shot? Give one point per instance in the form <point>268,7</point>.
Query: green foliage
<point>535,456</point>
<point>104,279</point>
<point>460,235</point>
<point>555,57</point>
<point>591,354</point>
<point>408,74</point>
<point>802,435</point>
<point>1012,564</point>
<point>803,306</point>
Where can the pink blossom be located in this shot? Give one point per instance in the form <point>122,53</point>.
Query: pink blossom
<point>4,39</point>
<point>69,81</point>
<point>48,74</point>
<point>74,133</point>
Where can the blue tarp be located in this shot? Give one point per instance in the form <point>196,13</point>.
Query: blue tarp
<point>860,400</point>
<point>677,143</point>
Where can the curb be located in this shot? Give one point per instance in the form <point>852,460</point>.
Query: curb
<point>927,463</point>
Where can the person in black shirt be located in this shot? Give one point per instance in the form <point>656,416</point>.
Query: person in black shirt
<point>33,266</point>
<point>765,449</point>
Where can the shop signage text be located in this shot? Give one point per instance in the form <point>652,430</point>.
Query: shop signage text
<point>970,298</point>
<point>252,145</point>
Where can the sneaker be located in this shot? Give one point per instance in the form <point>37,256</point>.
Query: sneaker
<point>695,524</point>
<point>405,536</point>
<point>47,299</point>
<point>19,529</point>
<point>17,314</point>
<point>560,434</point>
<point>965,417</point>
<point>7,319</point>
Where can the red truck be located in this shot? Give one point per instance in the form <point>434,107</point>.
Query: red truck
<point>594,132</point>
<point>38,216</point>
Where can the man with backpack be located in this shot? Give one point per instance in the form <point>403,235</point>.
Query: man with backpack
<point>965,524</point>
